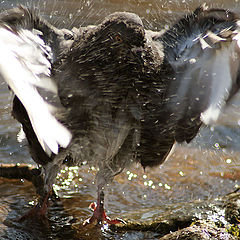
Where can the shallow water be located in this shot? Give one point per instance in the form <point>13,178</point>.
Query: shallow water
<point>209,167</point>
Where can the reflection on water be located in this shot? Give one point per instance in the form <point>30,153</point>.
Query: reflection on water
<point>192,172</point>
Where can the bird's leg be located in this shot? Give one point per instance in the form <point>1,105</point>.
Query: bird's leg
<point>39,211</point>
<point>99,216</point>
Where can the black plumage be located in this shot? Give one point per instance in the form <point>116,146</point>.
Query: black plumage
<point>198,76</point>
<point>127,94</point>
<point>95,74</point>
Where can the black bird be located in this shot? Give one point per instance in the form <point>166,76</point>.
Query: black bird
<point>121,93</point>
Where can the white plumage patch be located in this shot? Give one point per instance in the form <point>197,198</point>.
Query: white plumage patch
<point>223,74</point>
<point>25,65</point>
<point>211,115</point>
<point>237,38</point>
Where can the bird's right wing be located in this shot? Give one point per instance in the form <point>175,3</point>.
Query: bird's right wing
<point>25,65</point>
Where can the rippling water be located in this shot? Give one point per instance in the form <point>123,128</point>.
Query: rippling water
<point>208,167</point>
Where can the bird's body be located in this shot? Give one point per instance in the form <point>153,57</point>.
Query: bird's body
<point>125,94</point>
<point>95,75</point>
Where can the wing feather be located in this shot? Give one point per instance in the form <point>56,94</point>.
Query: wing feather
<point>25,65</point>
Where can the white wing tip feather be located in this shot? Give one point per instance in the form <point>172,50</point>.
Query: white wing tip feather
<point>211,115</point>
<point>50,133</point>
<point>237,38</point>
<point>20,51</point>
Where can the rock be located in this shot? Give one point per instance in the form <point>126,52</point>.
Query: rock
<point>205,219</point>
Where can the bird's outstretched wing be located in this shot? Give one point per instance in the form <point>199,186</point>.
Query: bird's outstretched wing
<point>25,64</point>
<point>203,51</point>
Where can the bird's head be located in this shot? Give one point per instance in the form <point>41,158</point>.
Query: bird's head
<point>124,28</point>
<point>117,36</point>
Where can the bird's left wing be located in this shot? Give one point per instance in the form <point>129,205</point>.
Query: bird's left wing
<point>25,64</point>
<point>203,50</point>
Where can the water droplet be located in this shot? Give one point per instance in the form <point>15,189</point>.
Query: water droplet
<point>228,160</point>
<point>181,173</point>
<point>31,203</point>
<point>167,186</point>
<point>217,146</point>
<point>192,60</point>
<point>150,183</point>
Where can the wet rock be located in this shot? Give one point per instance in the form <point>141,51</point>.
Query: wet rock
<point>206,219</point>
<point>201,230</point>
<point>232,208</point>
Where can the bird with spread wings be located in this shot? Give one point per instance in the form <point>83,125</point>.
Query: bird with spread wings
<point>115,93</point>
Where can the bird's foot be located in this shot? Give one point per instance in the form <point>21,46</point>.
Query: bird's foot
<point>38,212</point>
<point>100,217</point>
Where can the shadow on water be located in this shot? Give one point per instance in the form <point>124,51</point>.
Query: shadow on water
<point>206,168</point>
